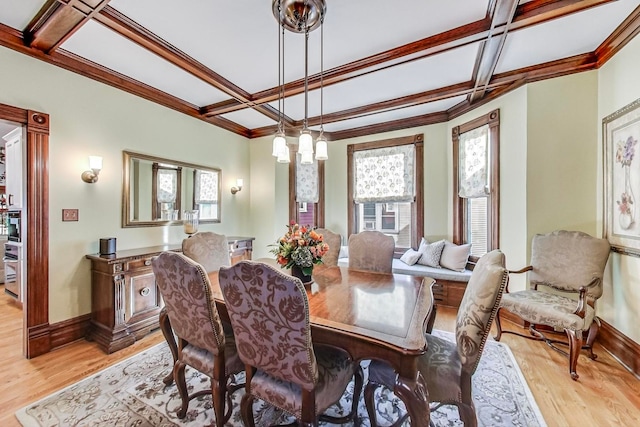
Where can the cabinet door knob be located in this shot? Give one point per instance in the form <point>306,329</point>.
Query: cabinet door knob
<point>145,291</point>
<point>147,262</point>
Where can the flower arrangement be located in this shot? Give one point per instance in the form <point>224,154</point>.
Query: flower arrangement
<point>625,151</point>
<point>301,246</point>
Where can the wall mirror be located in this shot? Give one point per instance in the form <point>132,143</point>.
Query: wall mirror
<point>157,191</point>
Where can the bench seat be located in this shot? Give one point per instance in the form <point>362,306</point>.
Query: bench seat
<point>449,287</point>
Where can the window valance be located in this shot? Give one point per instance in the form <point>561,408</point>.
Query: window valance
<point>384,175</point>
<point>473,179</point>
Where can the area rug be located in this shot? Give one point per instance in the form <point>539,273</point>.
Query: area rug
<point>131,393</point>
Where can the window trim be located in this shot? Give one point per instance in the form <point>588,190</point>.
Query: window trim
<point>294,212</point>
<point>493,120</point>
<point>417,207</point>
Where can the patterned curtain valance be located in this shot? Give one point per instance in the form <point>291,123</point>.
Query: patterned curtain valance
<point>306,181</point>
<point>473,179</point>
<point>385,175</point>
<point>167,185</point>
<point>206,187</point>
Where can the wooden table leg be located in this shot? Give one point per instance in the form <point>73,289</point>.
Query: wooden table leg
<point>167,331</point>
<point>415,397</point>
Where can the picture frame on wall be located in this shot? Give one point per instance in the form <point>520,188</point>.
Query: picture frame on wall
<point>620,136</point>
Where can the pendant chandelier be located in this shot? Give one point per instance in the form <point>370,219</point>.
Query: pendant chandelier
<point>302,17</point>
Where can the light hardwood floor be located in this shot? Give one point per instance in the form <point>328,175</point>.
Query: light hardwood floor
<point>605,395</point>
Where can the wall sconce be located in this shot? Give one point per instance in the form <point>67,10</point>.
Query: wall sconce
<point>95,164</point>
<point>238,186</point>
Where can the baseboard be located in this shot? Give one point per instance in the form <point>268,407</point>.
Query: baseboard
<point>620,346</point>
<point>70,330</point>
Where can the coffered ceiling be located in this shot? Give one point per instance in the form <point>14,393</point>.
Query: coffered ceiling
<point>387,64</point>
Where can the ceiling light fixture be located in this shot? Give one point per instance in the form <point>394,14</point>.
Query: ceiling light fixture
<point>299,16</point>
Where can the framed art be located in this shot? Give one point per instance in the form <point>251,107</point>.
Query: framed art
<point>620,135</point>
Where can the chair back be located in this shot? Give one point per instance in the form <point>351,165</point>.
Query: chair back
<point>334,240</point>
<point>371,250</point>
<point>209,249</point>
<point>269,313</point>
<point>567,260</point>
<point>186,291</point>
<point>478,307</point>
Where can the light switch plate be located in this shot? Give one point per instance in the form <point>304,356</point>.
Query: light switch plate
<point>69,214</point>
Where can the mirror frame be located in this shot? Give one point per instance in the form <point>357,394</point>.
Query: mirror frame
<point>126,174</point>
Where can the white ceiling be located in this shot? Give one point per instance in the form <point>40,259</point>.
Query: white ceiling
<point>238,41</point>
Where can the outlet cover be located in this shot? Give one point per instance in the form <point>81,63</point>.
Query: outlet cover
<point>69,214</point>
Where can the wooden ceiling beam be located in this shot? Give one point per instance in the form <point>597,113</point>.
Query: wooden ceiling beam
<point>622,35</point>
<point>57,20</point>
<point>490,50</point>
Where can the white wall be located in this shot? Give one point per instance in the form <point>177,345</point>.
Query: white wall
<point>89,118</point>
<point>619,85</point>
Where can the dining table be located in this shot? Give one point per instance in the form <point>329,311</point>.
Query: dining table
<point>371,315</point>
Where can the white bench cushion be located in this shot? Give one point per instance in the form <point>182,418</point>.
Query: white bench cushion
<point>422,270</point>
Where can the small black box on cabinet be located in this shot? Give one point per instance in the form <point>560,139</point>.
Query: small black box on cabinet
<point>108,246</point>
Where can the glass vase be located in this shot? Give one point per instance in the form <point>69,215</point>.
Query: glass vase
<point>191,220</point>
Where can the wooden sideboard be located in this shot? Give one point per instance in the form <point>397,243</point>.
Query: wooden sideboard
<point>125,301</point>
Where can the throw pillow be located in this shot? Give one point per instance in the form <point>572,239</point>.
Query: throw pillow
<point>431,253</point>
<point>455,257</point>
<point>410,257</point>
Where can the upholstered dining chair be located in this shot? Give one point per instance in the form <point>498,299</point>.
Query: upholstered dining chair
<point>202,343</point>
<point>371,250</point>
<point>269,312</point>
<point>565,262</point>
<point>334,240</point>
<point>447,367</point>
<point>210,250</point>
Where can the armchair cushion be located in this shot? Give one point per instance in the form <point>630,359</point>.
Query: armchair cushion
<point>549,309</point>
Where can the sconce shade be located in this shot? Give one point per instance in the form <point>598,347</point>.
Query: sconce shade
<point>238,186</point>
<point>95,165</point>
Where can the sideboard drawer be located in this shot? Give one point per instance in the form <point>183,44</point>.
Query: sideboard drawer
<point>138,263</point>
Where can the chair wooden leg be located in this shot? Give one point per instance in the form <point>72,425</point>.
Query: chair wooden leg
<point>181,384</point>
<point>498,325</point>
<point>575,345</point>
<point>467,415</point>
<point>218,392</point>
<point>369,392</point>
<point>165,327</point>
<point>246,410</point>
<point>591,337</point>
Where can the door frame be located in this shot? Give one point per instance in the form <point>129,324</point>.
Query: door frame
<point>36,332</point>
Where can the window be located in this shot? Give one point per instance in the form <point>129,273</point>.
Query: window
<point>205,193</point>
<point>476,182</point>
<point>166,185</point>
<point>306,191</point>
<point>385,188</point>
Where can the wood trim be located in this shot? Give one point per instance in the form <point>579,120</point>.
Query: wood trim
<point>68,331</point>
<point>36,315</point>
<point>36,332</point>
<point>493,120</point>
<point>620,346</point>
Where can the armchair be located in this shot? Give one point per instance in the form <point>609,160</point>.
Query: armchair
<point>565,262</point>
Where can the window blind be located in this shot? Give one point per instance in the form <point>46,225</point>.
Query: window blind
<point>167,185</point>
<point>473,163</point>
<point>478,223</point>
<point>385,175</point>
<point>206,187</point>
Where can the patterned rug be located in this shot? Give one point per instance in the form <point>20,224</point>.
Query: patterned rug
<point>131,393</point>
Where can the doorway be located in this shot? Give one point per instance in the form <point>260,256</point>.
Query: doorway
<point>36,334</point>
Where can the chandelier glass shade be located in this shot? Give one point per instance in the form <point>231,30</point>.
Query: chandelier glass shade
<point>299,16</point>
